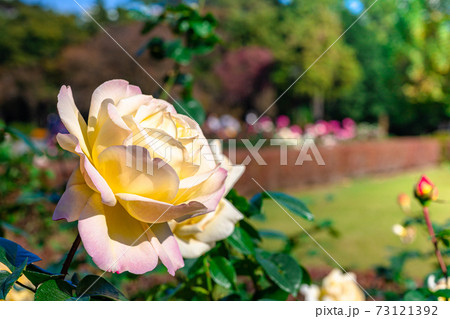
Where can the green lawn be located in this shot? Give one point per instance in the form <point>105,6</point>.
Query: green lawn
<point>363,211</point>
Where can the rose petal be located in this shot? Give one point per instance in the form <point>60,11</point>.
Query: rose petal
<point>95,180</point>
<point>113,91</point>
<point>74,199</point>
<point>159,144</point>
<point>113,131</point>
<point>197,179</point>
<point>192,248</point>
<point>133,104</point>
<point>234,174</point>
<point>67,142</point>
<point>209,192</point>
<point>115,241</point>
<point>152,211</point>
<point>91,176</point>
<point>130,169</point>
<point>166,246</point>
<point>222,225</point>
<point>71,117</point>
<point>163,121</point>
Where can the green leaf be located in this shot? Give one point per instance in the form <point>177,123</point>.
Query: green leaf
<point>186,80</point>
<point>38,275</point>
<point>444,236</point>
<point>78,299</point>
<point>191,108</point>
<point>250,230</point>
<point>7,282</point>
<point>273,234</point>
<point>241,241</point>
<point>156,47</point>
<point>75,279</point>
<point>202,49</point>
<point>222,272</point>
<point>5,260</point>
<point>257,201</point>
<point>194,267</point>
<point>201,28</point>
<point>238,201</point>
<point>274,294</point>
<point>282,269</point>
<point>13,255</point>
<point>200,290</point>
<point>443,293</point>
<point>3,275</point>
<point>414,295</point>
<point>306,278</point>
<point>25,138</point>
<point>92,285</point>
<point>293,204</point>
<point>151,23</point>
<point>54,290</point>
<point>177,51</point>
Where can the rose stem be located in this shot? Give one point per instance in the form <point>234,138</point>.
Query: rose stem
<point>426,214</point>
<point>72,251</point>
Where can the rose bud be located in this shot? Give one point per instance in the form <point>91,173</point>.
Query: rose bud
<point>405,202</point>
<point>425,191</point>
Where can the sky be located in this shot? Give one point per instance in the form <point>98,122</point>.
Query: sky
<point>69,6</point>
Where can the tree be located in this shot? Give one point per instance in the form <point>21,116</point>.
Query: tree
<point>30,43</point>
<point>297,34</point>
<point>424,54</point>
<point>403,50</point>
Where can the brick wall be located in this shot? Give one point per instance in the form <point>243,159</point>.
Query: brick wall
<point>342,161</point>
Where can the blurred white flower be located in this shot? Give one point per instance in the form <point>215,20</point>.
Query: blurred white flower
<point>439,285</point>
<point>406,234</point>
<point>336,286</point>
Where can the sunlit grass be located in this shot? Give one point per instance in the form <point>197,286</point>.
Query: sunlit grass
<point>363,211</point>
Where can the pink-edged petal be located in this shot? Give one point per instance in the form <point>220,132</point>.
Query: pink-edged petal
<point>95,180</point>
<point>130,169</point>
<point>152,211</point>
<point>115,241</point>
<point>113,91</point>
<point>192,248</point>
<point>209,192</point>
<point>90,174</point>
<point>74,199</point>
<point>71,117</point>
<point>192,181</point>
<point>222,225</point>
<point>67,142</point>
<point>166,246</point>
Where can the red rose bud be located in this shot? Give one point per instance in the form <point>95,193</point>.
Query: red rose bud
<point>434,193</point>
<point>405,202</point>
<point>425,191</point>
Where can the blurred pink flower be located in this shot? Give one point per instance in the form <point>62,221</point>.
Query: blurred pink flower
<point>321,128</point>
<point>348,122</point>
<point>296,129</point>
<point>283,121</point>
<point>265,124</point>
